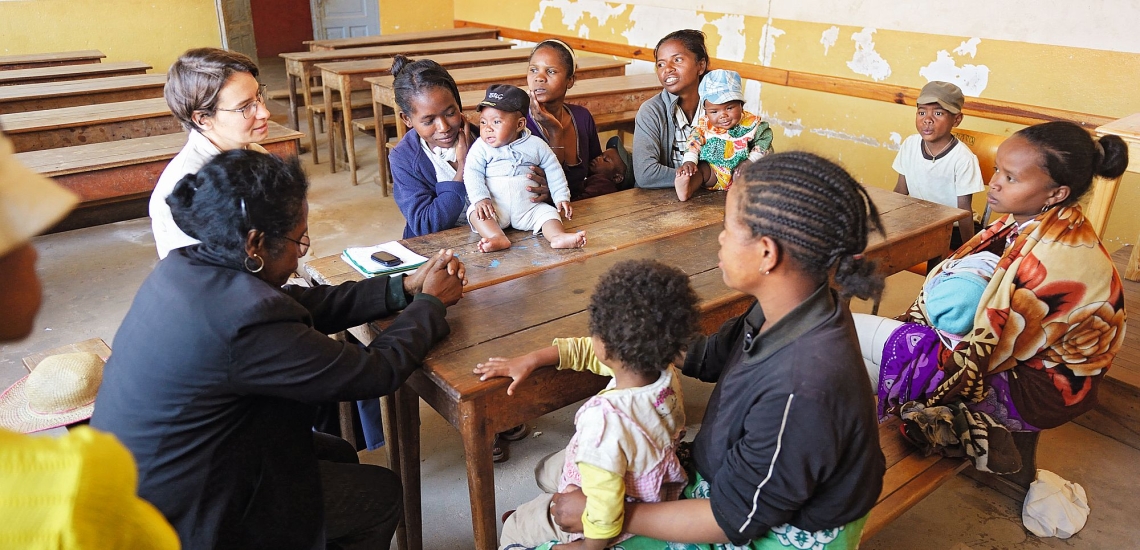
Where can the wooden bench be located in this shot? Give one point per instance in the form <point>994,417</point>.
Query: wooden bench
<point>54,95</point>
<point>469,78</point>
<point>70,126</point>
<point>438,35</point>
<point>31,61</point>
<point>299,66</point>
<point>59,73</point>
<point>114,179</point>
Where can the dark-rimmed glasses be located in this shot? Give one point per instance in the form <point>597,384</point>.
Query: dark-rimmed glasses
<point>251,107</point>
<point>302,244</point>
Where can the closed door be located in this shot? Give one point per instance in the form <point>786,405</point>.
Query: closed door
<point>345,18</point>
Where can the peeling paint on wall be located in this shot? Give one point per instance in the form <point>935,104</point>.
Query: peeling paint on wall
<point>768,36</point>
<point>574,11</point>
<point>731,30</point>
<point>865,140</point>
<point>829,38</point>
<point>896,139</point>
<point>652,23</point>
<point>972,79</point>
<point>792,128</point>
<point>867,61</point>
<point>752,101</point>
<point>969,47</point>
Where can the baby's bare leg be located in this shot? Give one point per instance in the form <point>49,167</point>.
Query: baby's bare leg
<point>707,174</point>
<point>493,236</point>
<point>560,238</point>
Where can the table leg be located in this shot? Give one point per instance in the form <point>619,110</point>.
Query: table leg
<point>293,122</point>
<point>330,134</point>
<point>408,427</point>
<point>388,410</point>
<point>381,147</point>
<point>307,93</point>
<point>477,444</point>
<point>349,134</point>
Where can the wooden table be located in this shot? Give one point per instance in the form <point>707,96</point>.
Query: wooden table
<point>53,95</point>
<point>69,126</point>
<point>613,94</point>
<point>104,174</point>
<point>1128,128</point>
<point>299,67</point>
<point>470,78</point>
<point>72,72</point>
<point>29,61</point>
<point>520,299</point>
<point>438,35</point>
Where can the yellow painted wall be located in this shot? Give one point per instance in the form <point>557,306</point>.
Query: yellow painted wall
<point>418,15</point>
<point>859,132</point>
<point>154,31</point>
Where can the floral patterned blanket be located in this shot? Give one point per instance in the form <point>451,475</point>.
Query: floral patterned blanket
<point>1049,323</point>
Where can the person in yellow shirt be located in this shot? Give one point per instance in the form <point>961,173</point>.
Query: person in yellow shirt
<point>75,491</point>
<point>642,313</point>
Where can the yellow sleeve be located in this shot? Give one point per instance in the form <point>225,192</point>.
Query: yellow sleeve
<point>578,354</point>
<point>605,502</point>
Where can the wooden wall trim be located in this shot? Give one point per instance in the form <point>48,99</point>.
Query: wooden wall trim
<point>980,107</point>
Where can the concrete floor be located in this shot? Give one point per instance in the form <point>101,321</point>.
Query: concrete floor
<point>91,275</point>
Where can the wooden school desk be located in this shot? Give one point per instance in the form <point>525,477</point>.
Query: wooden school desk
<point>69,126</point>
<point>519,299</point>
<point>122,171</point>
<point>72,72</point>
<point>472,78</point>
<point>601,96</point>
<point>31,61</point>
<point>438,35</point>
<point>299,66</point>
<point>53,95</point>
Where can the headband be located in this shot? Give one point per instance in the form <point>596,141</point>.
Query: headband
<point>563,45</point>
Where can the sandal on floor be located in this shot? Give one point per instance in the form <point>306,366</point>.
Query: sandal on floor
<point>516,433</point>
<point>499,451</point>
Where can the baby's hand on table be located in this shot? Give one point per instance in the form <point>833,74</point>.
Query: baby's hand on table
<point>566,209</point>
<point>518,368</point>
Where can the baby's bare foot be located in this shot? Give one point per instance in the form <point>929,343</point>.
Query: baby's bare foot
<point>492,244</point>
<point>681,183</point>
<point>569,240</point>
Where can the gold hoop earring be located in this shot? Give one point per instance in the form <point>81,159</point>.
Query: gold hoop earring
<point>245,263</point>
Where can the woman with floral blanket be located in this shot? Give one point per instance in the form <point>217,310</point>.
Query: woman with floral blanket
<point>1047,327</point>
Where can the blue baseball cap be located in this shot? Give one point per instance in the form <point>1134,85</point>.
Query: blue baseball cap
<point>720,86</point>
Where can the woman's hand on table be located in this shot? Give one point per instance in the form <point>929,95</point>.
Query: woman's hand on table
<point>538,185</point>
<point>444,277</point>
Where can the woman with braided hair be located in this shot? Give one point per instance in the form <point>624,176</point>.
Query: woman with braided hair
<point>789,446</point>
<point>1037,338</point>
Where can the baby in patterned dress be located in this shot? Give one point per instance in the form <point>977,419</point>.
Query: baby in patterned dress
<point>724,137</point>
<point>642,314</point>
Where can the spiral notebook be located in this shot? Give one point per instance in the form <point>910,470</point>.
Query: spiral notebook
<point>360,258</point>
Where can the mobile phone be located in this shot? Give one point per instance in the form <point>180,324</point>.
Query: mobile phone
<point>385,259</point>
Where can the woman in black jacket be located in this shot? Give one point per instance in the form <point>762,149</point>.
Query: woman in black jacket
<point>217,370</point>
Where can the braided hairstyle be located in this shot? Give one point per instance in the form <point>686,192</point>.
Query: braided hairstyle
<point>817,213</point>
<point>414,77</point>
<point>1072,157</point>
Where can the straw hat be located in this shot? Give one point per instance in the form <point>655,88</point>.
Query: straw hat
<point>60,391</point>
<point>29,202</point>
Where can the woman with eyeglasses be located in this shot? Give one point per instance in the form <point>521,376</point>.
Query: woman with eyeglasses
<point>216,96</point>
<point>218,369</point>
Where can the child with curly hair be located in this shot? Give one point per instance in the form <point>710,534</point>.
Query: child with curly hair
<point>624,446</point>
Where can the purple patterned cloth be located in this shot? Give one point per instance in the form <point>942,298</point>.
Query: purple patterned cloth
<point>910,370</point>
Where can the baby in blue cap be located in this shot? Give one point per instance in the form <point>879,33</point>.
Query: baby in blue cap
<point>723,138</point>
<point>953,294</point>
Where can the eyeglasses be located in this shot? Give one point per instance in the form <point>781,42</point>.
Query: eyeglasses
<point>302,244</point>
<point>251,107</point>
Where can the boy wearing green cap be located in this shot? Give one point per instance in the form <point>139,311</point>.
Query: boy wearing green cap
<point>932,164</point>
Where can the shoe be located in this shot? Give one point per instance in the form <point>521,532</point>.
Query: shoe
<point>499,450</point>
<point>516,433</point>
